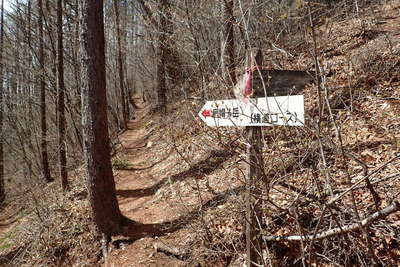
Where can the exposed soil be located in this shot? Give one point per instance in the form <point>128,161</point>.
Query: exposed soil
<point>137,195</point>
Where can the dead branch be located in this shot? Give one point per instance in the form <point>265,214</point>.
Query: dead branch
<point>105,240</point>
<point>355,184</point>
<point>375,195</point>
<point>342,230</point>
<point>170,250</point>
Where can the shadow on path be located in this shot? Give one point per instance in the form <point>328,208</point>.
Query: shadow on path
<point>135,230</point>
<point>204,167</point>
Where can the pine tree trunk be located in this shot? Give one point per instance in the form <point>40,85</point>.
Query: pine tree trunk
<point>42,86</point>
<point>101,185</point>
<point>60,102</point>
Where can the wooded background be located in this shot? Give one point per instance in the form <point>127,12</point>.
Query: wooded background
<point>163,49</point>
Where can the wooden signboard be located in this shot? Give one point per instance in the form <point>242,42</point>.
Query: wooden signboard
<point>279,82</point>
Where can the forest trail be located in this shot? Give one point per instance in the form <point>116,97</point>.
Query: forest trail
<point>137,192</point>
<point>165,189</point>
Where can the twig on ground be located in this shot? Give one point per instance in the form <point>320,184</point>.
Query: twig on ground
<point>339,231</point>
<point>168,249</point>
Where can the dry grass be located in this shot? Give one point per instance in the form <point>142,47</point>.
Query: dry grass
<point>54,228</point>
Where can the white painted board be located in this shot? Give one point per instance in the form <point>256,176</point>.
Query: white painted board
<point>270,111</point>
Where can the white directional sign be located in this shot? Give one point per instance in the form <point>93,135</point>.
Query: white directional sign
<point>270,111</point>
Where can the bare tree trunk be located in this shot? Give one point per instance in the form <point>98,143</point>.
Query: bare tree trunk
<point>163,50</point>
<point>16,77</point>
<point>230,39</point>
<point>101,185</point>
<point>29,41</point>
<point>2,190</point>
<point>126,54</point>
<point>61,94</point>
<point>29,86</point>
<point>222,41</point>
<point>120,67</point>
<point>77,76</point>
<point>42,86</point>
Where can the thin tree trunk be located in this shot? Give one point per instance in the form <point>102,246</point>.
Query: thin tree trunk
<point>16,80</point>
<point>30,89</point>
<point>42,86</point>
<point>77,76</point>
<point>230,39</point>
<point>29,41</point>
<point>120,67</point>
<point>61,93</point>
<point>163,58</point>
<point>2,190</point>
<point>101,185</point>
<point>126,46</point>
<point>224,70</point>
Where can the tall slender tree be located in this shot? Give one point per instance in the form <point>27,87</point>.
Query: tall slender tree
<point>61,95</point>
<point>120,66</point>
<point>2,191</point>
<point>230,38</point>
<point>42,86</point>
<point>101,185</point>
<point>163,55</point>
<point>29,64</point>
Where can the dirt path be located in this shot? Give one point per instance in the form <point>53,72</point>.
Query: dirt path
<point>137,192</point>
<point>163,196</point>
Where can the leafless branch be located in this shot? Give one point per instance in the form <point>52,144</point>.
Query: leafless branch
<point>342,230</point>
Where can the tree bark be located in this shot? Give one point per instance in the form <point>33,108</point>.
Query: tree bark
<point>120,67</point>
<point>2,190</point>
<point>126,53</point>
<point>163,54</point>
<point>230,39</point>
<point>42,86</point>
<point>101,185</point>
<point>61,94</point>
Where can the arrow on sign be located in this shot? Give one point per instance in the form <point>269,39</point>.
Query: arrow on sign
<point>206,113</point>
<point>270,111</point>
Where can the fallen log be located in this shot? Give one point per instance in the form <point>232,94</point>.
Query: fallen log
<point>395,206</point>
